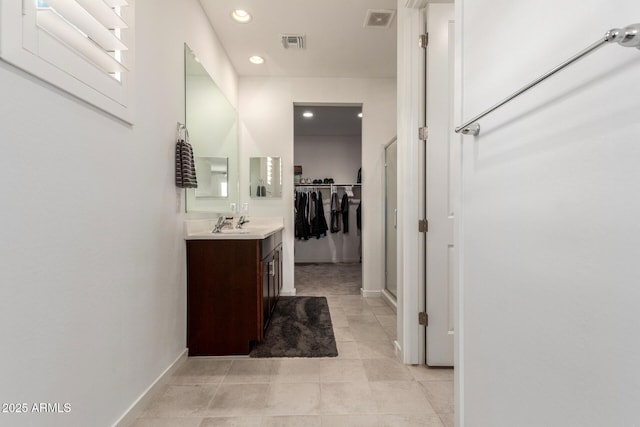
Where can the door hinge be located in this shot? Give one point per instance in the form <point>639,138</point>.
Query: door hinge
<point>423,40</point>
<point>423,318</point>
<point>423,133</point>
<point>423,226</point>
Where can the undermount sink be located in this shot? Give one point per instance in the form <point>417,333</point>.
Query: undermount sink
<point>233,231</point>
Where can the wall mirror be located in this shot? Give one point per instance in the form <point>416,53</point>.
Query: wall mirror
<point>265,177</point>
<point>213,134</point>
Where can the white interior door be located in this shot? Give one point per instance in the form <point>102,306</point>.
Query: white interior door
<point>441,152</point>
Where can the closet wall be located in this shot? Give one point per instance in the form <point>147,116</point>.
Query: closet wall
<point>337,157</point>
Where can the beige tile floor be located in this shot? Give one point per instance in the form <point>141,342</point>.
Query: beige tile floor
<point>364,386</point>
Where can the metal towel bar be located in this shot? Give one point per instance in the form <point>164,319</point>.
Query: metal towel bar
<point>628,36</point>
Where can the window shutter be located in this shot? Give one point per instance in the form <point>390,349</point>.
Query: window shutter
<point>84,47</point>
<point>90,27</point>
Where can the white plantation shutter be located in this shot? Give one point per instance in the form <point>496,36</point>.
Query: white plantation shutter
<point>91,27</point>
<point>81,46</point>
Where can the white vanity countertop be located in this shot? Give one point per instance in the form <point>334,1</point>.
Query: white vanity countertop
<point>257,228</point>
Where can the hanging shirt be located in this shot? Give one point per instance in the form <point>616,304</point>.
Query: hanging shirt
<point>319,223</point>
<point>335,213</point>
<point>302,230</point>
<point>344,208</point>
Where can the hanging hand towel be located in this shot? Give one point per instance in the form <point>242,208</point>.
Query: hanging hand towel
<point>185,165</point>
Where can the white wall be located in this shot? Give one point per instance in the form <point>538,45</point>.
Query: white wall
<point>92,302</point>
<point>266,129</point>
<point>550,217</point>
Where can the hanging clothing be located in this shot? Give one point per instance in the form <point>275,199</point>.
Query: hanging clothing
<point>335,213</point>
<point>313,214</point>
<point>318,223</point>
<point>308,214</point>
<point>344,209</point>
<point>302,228</point>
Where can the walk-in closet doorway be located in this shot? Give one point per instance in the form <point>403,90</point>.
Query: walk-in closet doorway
<point>327,185</point>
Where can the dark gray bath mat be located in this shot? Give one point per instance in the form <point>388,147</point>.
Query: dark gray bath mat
<point>299,327</point>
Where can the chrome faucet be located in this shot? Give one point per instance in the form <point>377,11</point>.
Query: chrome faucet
<point>222,221</point>
<point>241,222</point>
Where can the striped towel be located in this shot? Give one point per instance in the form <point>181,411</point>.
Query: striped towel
<point>185,165</point>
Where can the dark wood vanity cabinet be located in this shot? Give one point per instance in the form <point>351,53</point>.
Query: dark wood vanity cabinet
<point>232,287</point>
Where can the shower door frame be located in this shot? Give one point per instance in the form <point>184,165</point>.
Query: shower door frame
<point>394,273</point>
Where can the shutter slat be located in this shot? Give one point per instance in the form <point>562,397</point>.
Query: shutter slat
<point>88,24</point>
<point>56,26</point>
<point>103,13</point>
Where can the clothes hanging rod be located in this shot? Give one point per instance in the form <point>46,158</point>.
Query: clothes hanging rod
<point>628,37</point>
<point>327,185</point>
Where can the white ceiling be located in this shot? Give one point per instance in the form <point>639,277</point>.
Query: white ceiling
<point>327,121</point>
<point>338,44</point>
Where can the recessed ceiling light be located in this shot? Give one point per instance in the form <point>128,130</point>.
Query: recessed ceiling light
<point>241,16</point>
<point>307,114</point>
<point>255,59</point>
<point>360,115</point>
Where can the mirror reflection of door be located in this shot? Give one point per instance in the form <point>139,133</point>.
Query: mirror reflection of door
<point>212,174</point>
<point>391,217</point>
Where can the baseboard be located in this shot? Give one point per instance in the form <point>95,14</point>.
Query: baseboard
<point>130,416</point>
<point>288,293</point>
<point>327,261</point>
<point>390,300</point>
<point>370,294</point>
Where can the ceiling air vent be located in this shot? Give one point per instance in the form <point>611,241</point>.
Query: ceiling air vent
<point>293,41</point>
<point>379,18</point>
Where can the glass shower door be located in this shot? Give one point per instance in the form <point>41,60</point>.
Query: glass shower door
<point>391,217</point>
